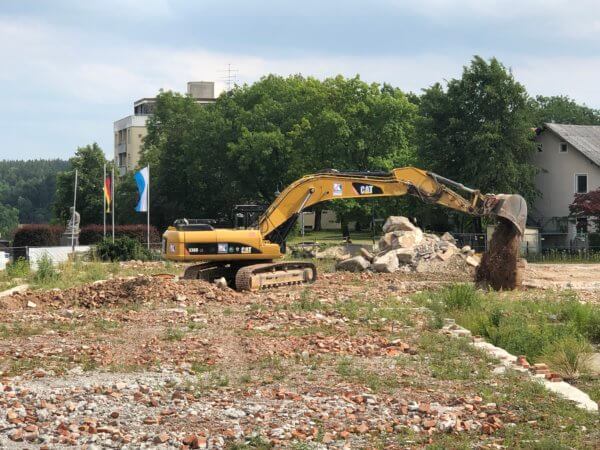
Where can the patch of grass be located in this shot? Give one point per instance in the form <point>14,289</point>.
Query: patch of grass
<point>306,302</point>
<point>17,269</point>
<point>173,334</point>
<point>570,357</point>
<point>105,324</point>
<point>452,359</point>
<point>200,367</point>
<point>255,442</point>
<point>19,329</point>
<point>349,369</point>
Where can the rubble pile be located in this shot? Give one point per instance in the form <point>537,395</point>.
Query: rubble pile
<point>406,247</point>
<point>125,291</point>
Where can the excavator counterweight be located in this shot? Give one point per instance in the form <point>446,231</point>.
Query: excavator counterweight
<point>246,257</point>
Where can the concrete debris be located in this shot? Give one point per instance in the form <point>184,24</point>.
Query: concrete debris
<point>398,223</point>
<point>355,264</point>
<point>407,248</point>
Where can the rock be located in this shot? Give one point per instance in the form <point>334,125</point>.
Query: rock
<point>234,413</point>
<point>398,223</point>
<point>404,239</point>
<point>221,283</point>
<point>387,262</point>
<point>447,254</point>
<point>472,261</point>
<point>335,252</point>
<point>404,255</point>
<point>161,438</point>
<point>367,254</point>
<point>356,264</point>
<point>31,304</point>
<point>447,237</point>
<point>466,249</point>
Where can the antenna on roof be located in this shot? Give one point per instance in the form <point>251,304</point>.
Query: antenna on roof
<point>230,76</point>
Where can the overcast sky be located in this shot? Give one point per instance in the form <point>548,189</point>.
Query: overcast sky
<point>69,69</point>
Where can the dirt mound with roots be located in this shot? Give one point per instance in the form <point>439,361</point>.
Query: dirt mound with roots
<point>499,268</point>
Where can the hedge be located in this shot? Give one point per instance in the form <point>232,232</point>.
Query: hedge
<point>38,235</point>
<point>92,234</point>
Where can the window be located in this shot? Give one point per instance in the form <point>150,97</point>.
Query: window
<point>563,147</point>
<point>581,185</point>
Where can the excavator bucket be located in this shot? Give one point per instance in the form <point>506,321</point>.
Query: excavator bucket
<point>513,208</point>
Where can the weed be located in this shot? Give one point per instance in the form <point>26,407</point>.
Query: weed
<point>46,272</point>
<point>105,325</point>
<point>307,302</point>
<point>377,382</point>
<point>18,268</point>
<point>19,329</point>
<point>570,356</point>
<point>173,334</point>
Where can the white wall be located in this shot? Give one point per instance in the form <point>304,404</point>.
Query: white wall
<point>57,254</point>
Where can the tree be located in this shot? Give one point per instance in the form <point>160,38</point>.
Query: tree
<point>259,138</point>
<point>9,220</point>
<point>89,162</point>
<point>29,186</point>
<point>587,205</point>
<point>477,130</point>
<point>562,109</point>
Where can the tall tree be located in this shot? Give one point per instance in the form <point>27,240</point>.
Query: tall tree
<point>477,130</point>
<point>257,139</point>
<point>29,187</point>
<point>9,220</point>
<point>562,109</point>
<point>89,162</point>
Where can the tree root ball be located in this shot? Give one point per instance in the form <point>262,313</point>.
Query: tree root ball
<point>499,268</point>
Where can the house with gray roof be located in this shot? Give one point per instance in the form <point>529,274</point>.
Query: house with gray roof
<point>569,160</point>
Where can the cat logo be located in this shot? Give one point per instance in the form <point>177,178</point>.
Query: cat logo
<point>366,189</point>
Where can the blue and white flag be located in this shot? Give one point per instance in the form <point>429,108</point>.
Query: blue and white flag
<point>142,178</point>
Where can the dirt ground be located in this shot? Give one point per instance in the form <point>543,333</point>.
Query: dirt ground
<point>583,278</point>
<point>349,362</point>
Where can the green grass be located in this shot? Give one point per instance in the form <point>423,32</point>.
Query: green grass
<point>350,369</point>
<point>173,334</point>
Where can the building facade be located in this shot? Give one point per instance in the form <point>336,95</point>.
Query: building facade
<point>569,160</point>
<point>130,131</point>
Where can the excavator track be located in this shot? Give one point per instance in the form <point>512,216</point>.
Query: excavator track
<point>263,276</point>
<point>210,271</point>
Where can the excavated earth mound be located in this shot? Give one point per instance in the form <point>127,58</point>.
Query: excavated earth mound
<point>122,292</point>
<point>499,265</point>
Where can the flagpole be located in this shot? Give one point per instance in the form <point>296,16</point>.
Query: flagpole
<point>112,196</point>
<point>73,215</point>
<point>148,212</point>
<point>104,203</point>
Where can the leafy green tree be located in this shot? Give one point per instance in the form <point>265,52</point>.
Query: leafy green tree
<point>9,220</point>
<point>562,109</point>
<point>257,139</point>
<point>477,130</point>
<point>89,162</point>
<point>29,186</point>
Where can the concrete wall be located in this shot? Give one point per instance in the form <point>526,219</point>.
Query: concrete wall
<point>556,181</point>
<point>57,254</point>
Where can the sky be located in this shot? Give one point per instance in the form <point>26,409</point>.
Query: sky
<point>70,68</point>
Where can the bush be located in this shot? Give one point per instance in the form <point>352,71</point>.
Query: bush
<point>123,249</point>
<point>18,268</point>
<point>45,270</point>
<point>38,235</point>
<point>92,234</point>
<point>569,356</point>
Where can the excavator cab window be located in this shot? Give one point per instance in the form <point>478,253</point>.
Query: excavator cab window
<point>246,216</point>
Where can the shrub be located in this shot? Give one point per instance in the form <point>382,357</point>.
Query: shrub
<point>569,356</point>
<point>38,235</point>
<point>123,249</point>
<point>45,270</point>
<point>18,268</point>
<point>461,296</point>
<point>92,234</point>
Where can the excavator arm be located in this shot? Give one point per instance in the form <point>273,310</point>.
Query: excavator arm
<point>279,218</point>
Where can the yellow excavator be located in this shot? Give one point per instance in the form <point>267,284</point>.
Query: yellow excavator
<point>246,256</point>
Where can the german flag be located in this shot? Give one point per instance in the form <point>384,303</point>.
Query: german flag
<point>108,192</point>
